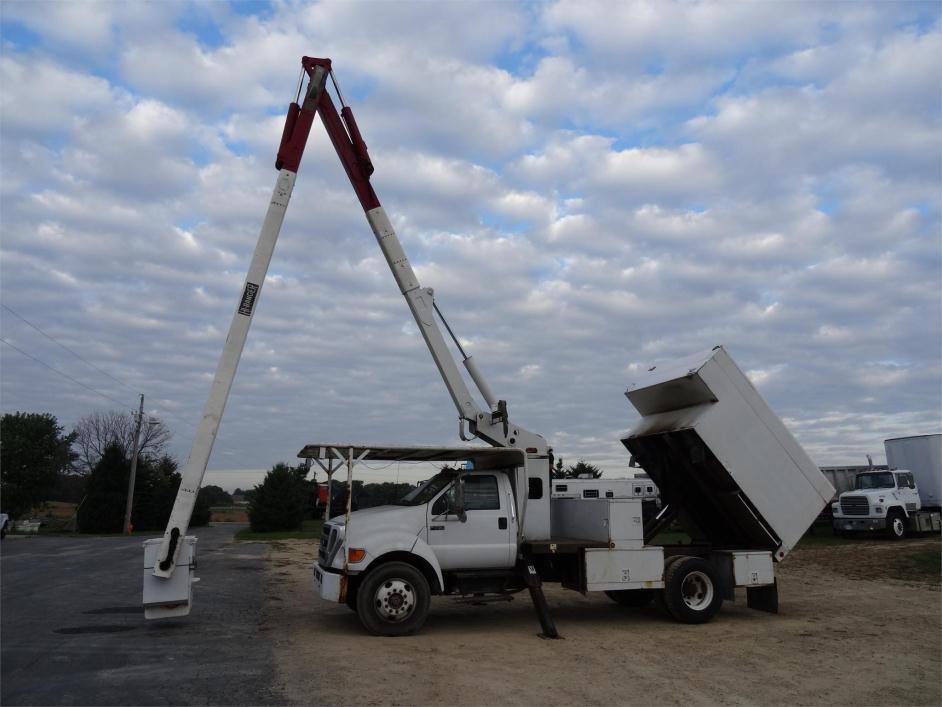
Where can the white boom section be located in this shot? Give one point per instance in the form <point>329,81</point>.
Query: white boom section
<point>422,304</point>
<point>225,373</point>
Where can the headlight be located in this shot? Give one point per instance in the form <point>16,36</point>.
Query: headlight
<point>835,508</point>
<point>878,509</point>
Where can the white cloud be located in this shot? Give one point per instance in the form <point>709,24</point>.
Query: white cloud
<point>586,191</point>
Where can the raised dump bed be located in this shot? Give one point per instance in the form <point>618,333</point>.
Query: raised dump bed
<point>722,458</point>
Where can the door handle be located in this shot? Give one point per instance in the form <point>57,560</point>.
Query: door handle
<point>502,523</point>
<point>436,527</point>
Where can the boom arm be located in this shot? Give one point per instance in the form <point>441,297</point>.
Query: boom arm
<point>491,425</point>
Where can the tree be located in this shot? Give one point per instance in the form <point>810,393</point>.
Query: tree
<point>33,452</point>
<point>202,511</point>
<point>106,493</point>
<point>557,472</point>
<point>380,494</point>
<point>98,430</point>
<point>155,489</point>
<point>216,496</point>
<point>280,502</point>
<point>582,469</point>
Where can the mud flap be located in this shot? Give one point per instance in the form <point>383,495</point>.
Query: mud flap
<point>763,598</point>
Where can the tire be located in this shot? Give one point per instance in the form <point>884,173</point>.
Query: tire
<point>895,525</point>
<point>659,593</point>
<point>632,597</point>
<point>393,600</point>
<point>691,591</point>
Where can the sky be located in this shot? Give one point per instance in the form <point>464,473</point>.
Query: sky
<point>589,187</point>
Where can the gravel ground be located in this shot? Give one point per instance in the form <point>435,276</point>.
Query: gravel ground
<point>843,636</point>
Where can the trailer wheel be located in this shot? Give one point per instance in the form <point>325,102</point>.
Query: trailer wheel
<point>691,591</point>
<point>896,525</point>
<point>393,600</point>
<point>631,597</point>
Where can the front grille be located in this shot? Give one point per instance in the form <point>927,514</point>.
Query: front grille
<point>325,543</point>
<point>331,540</point>
<point>855,506</point>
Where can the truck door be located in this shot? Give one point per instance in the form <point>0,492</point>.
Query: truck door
<point>906,489</point>
<point>487,538</point>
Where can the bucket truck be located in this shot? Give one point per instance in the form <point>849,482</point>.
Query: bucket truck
<point>488,523</point>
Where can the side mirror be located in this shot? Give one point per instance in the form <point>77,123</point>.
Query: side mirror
<point>459,501</point>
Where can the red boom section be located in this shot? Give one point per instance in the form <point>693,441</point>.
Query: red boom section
<point>343,132</point>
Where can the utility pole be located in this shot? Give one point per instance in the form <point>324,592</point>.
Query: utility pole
<point>137,437</point>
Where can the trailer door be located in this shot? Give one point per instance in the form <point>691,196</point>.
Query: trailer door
<point>486,539</point>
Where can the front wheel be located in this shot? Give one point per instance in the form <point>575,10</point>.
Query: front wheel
<point>691,592</point>
<point>393,600</point>
<point>896,525</point>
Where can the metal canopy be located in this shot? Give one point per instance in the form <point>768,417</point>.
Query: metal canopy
<point>483,457</point>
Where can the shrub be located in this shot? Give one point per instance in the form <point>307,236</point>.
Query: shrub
<point>280,502</point>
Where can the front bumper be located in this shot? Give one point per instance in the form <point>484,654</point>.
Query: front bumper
<point>854,524</point>
<point>329,584</point>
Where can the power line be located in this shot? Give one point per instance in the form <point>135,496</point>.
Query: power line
<point>64,375</point>
<point>74,353</point>
<point>81,358</point>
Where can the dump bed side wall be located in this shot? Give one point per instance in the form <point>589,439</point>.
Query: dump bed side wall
<point>764,462</point>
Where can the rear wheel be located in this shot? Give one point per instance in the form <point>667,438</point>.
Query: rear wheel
<point>896,525</point>
<point>691,592</point>
<point>631,597</point>
<point>393,600</point>
<point>659,594</point>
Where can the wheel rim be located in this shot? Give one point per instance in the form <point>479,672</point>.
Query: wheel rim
<point>394,600</point>
<point>897,526</point>
<point>697,590</point>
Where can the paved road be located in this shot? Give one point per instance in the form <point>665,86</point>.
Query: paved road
<point>73,631</point>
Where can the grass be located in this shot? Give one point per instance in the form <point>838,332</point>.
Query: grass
<point>924,564</point>
<point>310,530</point>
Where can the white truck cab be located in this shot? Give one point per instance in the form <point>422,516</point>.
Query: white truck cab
<point>880,500</point>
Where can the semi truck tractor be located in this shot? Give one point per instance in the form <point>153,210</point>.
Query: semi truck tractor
<point>728,470</point>
<point>904,498</point>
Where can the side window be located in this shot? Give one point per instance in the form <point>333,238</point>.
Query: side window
<point>535,489</point>
<point>480,493</point>
<point>908,481</point>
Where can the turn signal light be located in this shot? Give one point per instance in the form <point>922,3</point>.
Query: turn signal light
<point>356,554</point>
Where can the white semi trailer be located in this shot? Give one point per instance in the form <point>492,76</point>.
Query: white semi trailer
<point>905,498</point>
<point>725,465</point>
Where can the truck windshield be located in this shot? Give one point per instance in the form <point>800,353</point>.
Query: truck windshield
<point>427,491</point>
<point>874,481</point>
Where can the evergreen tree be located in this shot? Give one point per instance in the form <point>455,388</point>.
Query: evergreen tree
<point>280,502</point>
<point>106,493</point>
